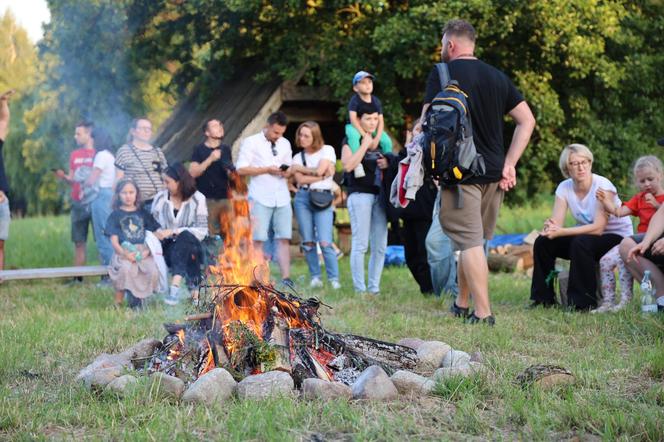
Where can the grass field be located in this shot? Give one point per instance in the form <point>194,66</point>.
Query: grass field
<point>49,331</point>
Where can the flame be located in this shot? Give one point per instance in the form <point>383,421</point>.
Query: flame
<point>240,262</point>
<point>209,361</point>
<point>177,348</point>
<point>243,270</point>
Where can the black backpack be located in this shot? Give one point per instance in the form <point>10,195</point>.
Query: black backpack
<point>449,152</point>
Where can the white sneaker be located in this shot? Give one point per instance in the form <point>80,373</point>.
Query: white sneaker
<point>335,284</point>
<point>171,299</point>
<point>621,305</point>
<point>603,308</point>
<point>316,283</point>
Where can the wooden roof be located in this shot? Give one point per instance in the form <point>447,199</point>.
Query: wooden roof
<point>242,105</point>
<point>235,102</point>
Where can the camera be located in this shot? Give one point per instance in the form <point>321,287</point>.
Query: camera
<point>284,167</point>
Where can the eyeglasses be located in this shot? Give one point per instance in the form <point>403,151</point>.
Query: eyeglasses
<point>578,164</point>
<point>274,148</point>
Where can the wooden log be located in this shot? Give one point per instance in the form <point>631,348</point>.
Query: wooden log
<point>530,239</point>
<point>518,250</point>
<point>525,252</point>
<point>55,272</point>
<point>386,354</point>
<point>280,340</point>
<point>505,263</point>
<point>198,316</point>
<point>344,236</point>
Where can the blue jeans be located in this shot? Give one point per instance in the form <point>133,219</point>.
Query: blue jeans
<point>441,257</point>
<point>368,225</point>
<point>101,210</point>
<point>316,226</point>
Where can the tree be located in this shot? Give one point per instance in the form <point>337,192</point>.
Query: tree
<point>589,69</point>
<point>18,69</point>
<point>85,72</point>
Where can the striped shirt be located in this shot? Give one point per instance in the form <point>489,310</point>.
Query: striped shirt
<point>192,216</point>
<point>144,167</point>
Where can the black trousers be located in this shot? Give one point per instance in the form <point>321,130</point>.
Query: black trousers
<point>414,235</point>
<point>184,256</point>
<point>584,253</point>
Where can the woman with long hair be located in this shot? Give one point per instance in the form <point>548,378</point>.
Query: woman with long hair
<point>103,177</point>
<point>315,220</point>
<point>182,213</point>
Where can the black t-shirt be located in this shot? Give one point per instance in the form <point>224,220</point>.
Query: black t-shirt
<point>214,181</point>
<point>130,226</point>
<point>491,95</point>
<point>368,183</point>
<point>4,186</point>
<point>355,101</point>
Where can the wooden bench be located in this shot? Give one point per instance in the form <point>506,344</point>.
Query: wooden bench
<point>56,272</point>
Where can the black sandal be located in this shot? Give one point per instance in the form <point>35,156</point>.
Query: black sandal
<point>489,320</point>
<point>459,312</point>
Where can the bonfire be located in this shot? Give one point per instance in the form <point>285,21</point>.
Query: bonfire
<point>247,326</point>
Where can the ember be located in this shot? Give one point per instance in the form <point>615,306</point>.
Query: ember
<point>250,327</point>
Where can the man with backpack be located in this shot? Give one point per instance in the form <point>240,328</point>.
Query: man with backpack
<point>471,196</point>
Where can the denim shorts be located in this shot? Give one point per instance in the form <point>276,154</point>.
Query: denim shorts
<point>81,218</point>
<point>5,219</point>
<point>280,219</point>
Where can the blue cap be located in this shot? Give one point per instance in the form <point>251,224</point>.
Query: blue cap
<point>360,76</point>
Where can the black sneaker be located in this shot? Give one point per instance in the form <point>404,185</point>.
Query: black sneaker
<point>489,320</point>
<point>543,304</point>
<point>74,281</point>
<point>459,312</point>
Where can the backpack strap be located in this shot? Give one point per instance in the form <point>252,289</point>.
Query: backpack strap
<point>443,74</point>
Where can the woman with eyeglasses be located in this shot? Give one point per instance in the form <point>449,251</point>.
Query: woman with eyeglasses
<point>141,161</point>
<point>594,233</point>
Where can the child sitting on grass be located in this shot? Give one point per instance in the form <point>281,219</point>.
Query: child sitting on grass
<point>648,179</point>
<point>132,269</point>
<point>363,87</point>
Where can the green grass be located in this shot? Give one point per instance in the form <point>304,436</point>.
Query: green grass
<point>49,331</point>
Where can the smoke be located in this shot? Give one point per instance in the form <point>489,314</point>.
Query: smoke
<point>89,44</point>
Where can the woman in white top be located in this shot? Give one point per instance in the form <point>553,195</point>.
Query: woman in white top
<point>594,234</point>
<point>315,222</point>
<point>182,213</point>
<point>103,177</point>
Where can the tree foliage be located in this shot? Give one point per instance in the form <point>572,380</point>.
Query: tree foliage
<point>589,69</point>
<point>18,68</point>
<point>85,72</point>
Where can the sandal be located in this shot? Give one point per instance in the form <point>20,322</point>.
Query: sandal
<point>459,312</point>
<point>489,320</point>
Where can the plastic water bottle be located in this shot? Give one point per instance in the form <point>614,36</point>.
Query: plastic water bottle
<point>647,294</point>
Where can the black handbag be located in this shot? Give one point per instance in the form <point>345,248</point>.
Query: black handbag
<point>319,199</point>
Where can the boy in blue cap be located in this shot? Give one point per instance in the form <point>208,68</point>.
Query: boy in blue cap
<point>363,87</point>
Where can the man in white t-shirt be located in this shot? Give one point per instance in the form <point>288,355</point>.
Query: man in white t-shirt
<point>266,157</point>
